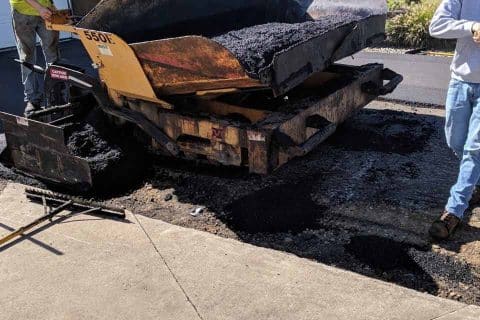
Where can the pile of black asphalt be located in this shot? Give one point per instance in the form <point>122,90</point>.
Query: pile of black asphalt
<point>115,158</point>
<point>256,46</point>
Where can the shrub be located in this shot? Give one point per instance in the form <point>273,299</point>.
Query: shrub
<point>399,4</point>
<point>411,28</point>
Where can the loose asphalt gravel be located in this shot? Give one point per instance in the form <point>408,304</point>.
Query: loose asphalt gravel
<point>256,46</point>
<point>110,152</point>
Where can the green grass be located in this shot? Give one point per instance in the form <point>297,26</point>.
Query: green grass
<point>410,29</point>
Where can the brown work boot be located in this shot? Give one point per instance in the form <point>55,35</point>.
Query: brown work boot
<point>445,227</point>
<point>475,201</point>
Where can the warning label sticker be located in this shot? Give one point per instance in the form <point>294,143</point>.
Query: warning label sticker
<point>105,50</point>
<point>58,74</point>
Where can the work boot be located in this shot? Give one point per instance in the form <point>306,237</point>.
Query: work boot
<point>475,201</point>
<point>30,109</point>
<point>445,227</point>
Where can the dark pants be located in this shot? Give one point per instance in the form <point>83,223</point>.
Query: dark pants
<point>26,30</point>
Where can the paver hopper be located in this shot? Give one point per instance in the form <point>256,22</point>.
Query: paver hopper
<point>186,46</point>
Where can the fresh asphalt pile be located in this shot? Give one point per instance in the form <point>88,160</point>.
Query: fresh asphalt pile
<point>116,160</point>
<point>256,46</point>
<point>89,143</point>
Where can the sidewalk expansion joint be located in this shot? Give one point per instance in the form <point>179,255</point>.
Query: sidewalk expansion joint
<point>168,267</point>
<point>451,312</point>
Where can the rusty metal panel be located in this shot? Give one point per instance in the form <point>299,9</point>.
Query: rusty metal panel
<point>293,66</point>
<point>19,130</point>
<point>259,153</point>
<point>39,149</point>
<point>190,64</point>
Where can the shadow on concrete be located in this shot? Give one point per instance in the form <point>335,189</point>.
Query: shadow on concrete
<point>29,237</point>
<point>58,220</point>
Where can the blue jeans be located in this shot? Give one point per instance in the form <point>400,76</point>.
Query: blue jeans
<point>463,137</point>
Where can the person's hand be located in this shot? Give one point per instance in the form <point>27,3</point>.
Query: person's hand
<point>46,13</point>
<point>476,32</point>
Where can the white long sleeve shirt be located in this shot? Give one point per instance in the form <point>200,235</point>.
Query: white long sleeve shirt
<point>454,19</point>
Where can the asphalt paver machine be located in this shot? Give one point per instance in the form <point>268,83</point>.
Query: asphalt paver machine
<point>251,83</point>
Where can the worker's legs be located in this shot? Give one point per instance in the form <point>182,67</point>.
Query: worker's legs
<point>458,113</point>
<point>24,28</point>
<point>49,40</point>
<point>469,175</point>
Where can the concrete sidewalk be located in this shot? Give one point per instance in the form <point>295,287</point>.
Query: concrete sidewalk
<point>87,268</point>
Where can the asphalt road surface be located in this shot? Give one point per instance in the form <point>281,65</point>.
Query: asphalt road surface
<point>426,78</point>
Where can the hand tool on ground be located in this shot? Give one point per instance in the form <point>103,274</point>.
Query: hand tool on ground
<point>64,202</point>
<point>52,198</point>
<point>35,223</point>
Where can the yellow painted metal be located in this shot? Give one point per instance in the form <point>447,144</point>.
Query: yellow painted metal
<point>117,63</point>
<point>225,109</point>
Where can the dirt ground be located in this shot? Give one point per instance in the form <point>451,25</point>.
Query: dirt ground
<point>363,202</point>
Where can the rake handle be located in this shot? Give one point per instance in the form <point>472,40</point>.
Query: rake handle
<point>35,223</point>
